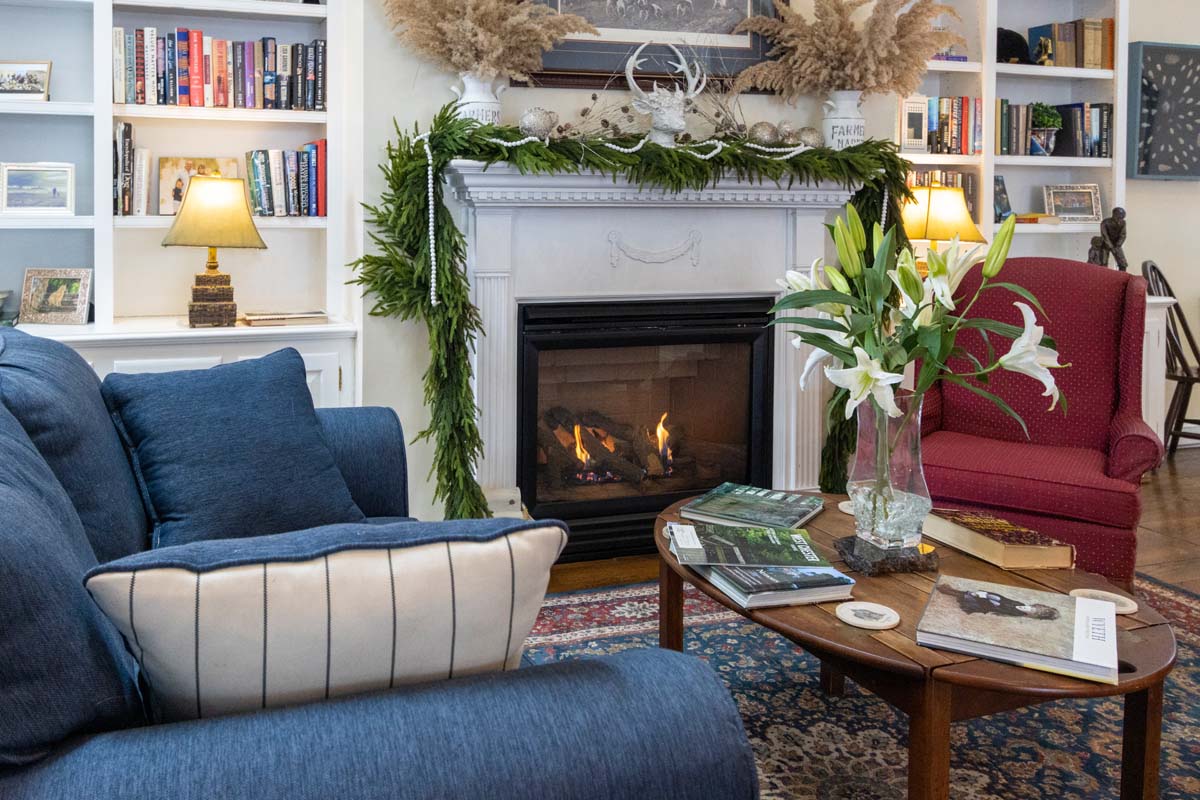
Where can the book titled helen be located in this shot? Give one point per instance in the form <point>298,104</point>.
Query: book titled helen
<point>735,504</point>
<point>998,541</point>
<point>1074,636</point>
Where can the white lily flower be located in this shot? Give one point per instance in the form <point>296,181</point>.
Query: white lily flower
<point>1028,357</point>
<point>796,281</point>
<point>867,377</point>
<point>947,270</point>
<point>818,355</point>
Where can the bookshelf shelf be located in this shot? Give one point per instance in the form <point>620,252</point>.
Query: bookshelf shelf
<point>47,223</point>
<point>935,65</point>
<point>157,222</point>
<point>53,108</point>
<point>1053,161</point>
<point>82,5</point>
<point>173,329</point>
<point>260,9</point>
<point>1070,73</point>
<point>198,114</point>
<point>942,159</point>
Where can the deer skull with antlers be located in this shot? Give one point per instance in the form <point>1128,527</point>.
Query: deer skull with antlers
<point>666,107</point>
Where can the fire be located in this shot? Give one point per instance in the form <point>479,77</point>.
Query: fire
<point>663,435</point>
<point>581,452</point>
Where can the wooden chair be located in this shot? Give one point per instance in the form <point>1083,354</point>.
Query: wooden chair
<point>1185,372</point>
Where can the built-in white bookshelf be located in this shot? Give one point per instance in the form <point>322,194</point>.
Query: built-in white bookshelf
<point>1025,176</point>
<point>141,289</point>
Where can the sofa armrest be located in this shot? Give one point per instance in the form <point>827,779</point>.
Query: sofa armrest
<point>368,446</point>
<point>643,724</point>
<point>1133,449</point>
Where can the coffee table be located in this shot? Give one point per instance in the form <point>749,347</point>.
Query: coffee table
<point>937,687</point>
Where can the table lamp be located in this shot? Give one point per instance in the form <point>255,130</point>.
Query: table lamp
<point>214,214</point>
<point>937,213</point>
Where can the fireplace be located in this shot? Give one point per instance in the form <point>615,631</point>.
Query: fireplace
<point>626,407</point>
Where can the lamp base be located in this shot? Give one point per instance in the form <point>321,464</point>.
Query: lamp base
<point>212,303</point>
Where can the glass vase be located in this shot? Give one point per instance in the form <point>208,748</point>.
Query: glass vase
<point>887,482</point>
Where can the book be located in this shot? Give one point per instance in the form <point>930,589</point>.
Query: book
<point>172,70</point>
<point>239,74</point>
<point>270,67</point>
<point>705,544</point>
<point>313,166</point>
<point>209,88</point>
<point>160,61</point>
<point>248,75</point>
<point>183,78</point>
<point>764,587</point>
<point>130,67</point>
<point>229,74</point>
<point>291,164</point>
<point>259,88</point>
<point>998,541</point>
<point>220,77</point>
<point>150,75</point>
<point>253,183</point>
<point>321,183</point>
<point>299,71</point>
<point>1073,636</point>
<point>282,318</point>
<point>283,78</point>
<point>139,67</point>
<point>319,75</point>
<point>196,68</point>
<point>736,504</point>
<point>310,77</point>
<point>126,207</point>
<point>305,174</point>
<point>1106,45</point>
<point>141,182</point>
<point>118,65</point>
<point>278,182</point>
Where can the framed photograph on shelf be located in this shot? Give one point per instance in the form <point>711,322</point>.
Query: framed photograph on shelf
<point>1000,202</point>
<point>44,188</point>
<point>56,296</point>
<point>174,173</point>
<point>1163,80</point>
<point>1074,202</point>
<point>914,125</point>
<point>24,80</point>
<point>702,30</point>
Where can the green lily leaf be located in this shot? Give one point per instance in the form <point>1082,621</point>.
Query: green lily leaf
<point>814,298</point>
<point>813,322</point>
<point>1021,291</point>
<point>984,393</point>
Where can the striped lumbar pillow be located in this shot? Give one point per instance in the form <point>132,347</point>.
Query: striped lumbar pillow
<point>226,626</point>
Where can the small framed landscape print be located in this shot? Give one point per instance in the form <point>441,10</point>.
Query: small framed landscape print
<point>56,296</point>
<point>1074,202</point>
<point>24,80</point>
<point>914,125</point>
<point>1164,80</point>
<point>42,188</point>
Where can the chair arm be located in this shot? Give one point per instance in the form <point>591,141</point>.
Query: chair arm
<point>931,410</point>
<point>1133,449</point>
<point>368,446</point>
<point>642,724</point>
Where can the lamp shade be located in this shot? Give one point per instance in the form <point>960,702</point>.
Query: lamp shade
<point>214,214</point>
<point>939,213</point>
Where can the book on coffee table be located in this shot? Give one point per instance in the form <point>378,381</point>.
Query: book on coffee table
<point>1074,636</point>
<point>735,504</point>
<point>997,541</point>
<point>763,587</point>
<point>705,544</point>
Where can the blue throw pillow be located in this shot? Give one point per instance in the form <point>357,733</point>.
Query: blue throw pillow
<point>229,452</point>
<point>55,396</point>
<point>63,666</point>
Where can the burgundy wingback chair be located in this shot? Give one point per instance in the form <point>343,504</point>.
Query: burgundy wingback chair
<point>1076,476</point>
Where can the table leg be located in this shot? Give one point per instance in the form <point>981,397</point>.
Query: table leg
<point>1140,751</point>
<point>929,743</point>
<point>833,683</point>
<point>670,608</point>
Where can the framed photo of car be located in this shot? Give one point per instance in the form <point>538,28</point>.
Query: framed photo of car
<point>56,296</point>
<point>914,125</point>
<point>1074,202</point>
<point>44,188</point>
<point>701,29</point>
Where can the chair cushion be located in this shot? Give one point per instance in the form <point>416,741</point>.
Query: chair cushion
<point>1058,481</point>
<point>222,627</point>
<point>55,396</point>
<point>63,667</point>
<point>229,452</point>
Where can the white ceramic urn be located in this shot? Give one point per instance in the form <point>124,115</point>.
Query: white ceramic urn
<point>478,99</point>
<point>844,125</point>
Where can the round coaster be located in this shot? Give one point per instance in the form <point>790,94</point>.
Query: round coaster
<point>867,615</point>
<point>1124,604</point>
<point>846,507</point>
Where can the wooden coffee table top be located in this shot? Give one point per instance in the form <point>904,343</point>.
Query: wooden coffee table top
<point>1146,644</point>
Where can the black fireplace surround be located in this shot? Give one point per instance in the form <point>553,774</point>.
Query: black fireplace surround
<point>626,407</point>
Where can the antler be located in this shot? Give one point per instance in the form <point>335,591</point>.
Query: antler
<point>692,88</point>
<point>633,63</point>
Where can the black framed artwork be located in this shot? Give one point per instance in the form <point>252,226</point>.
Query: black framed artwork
<point>702,29</point>
<point>1164,114</point>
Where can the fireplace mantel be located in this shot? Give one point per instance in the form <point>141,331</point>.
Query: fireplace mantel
<point>586,237</point>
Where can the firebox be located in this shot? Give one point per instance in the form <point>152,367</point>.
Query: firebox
<point>626,407</point>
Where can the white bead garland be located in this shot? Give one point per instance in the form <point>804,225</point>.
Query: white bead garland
<point>718,146</point>
<point>787,152</point>
<point>424,139</point>
<point>626,150</point>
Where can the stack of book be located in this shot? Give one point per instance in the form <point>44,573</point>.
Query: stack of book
<point>961,179</point>
<point>187,68</point>
<point>131,174</point>
<point>1086,130</point>
<point>274,319</point>
<point>1086,43</point>
<point>749,547</point>
<point>287,183</point>
<point>955,125</point>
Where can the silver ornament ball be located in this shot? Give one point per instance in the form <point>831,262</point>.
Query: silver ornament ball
<point>811,137</point>
<point>538,122</point>
<point>763,133</point>
<point>789,134</point>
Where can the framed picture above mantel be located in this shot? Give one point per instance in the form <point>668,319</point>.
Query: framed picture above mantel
<point>702,29</point>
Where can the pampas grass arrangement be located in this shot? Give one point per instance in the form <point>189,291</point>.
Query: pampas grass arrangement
<point>887,53</point>
<point>487,38</point>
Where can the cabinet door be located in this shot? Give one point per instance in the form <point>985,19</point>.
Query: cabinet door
<point>323,373</point>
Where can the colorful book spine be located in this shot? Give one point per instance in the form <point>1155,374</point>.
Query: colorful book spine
<point>278,174</point>
<point>220,84</point>
<point>196,68</point>
<point>130,67</point>
<point>319,67</point>
<point>248,70</point>
<point>259,99</point>
<point>310,77</point>
<point>229,74</point>
<point>305,160</point>
<point>151,72</point>
<point>291,163</point>
<point>284,79</point>
<point>160,78</point>
<point>172,71</point>
<point>270,69</point>
<point>239,74</point>
<point>118,65</point>
<point>182,68</point>
<point>209,88</point>
<point>310,150</point>
<point>139,66</point>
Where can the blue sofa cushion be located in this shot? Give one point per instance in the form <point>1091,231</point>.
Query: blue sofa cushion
<point>229,452</point>
<point>63,667</point>
<point>56,397</point>
<point>232,626</point>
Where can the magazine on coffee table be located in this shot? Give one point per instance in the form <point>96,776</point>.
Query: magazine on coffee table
<point>717,545</point>
<point>763,587</point>
<point>735,504</point>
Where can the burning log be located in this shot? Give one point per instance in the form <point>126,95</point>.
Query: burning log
<point>597,457</point>
<point>559,461</point>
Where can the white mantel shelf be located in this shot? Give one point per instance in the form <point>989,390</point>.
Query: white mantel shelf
<point>539,239</point>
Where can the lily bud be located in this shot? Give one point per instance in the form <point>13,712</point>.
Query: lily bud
<point>857,232</point>
<point>837,280</point>
<point>843,240</point>
<point>998,253</point>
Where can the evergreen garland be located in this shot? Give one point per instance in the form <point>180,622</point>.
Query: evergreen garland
<point>398,274</point>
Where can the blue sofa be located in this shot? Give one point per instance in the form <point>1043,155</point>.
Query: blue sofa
<point>643,724</point>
